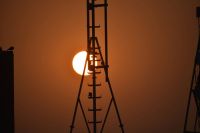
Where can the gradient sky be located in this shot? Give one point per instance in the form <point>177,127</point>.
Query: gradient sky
<point>152,45</point>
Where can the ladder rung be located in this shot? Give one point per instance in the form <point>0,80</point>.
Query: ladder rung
<point>94,109</point>
<point>98,26</point>
<point>95,60</point>
<point>94,85</point>
<point>90,48</point>
<point>94,72</point>
<point>91,53</point>
<point>91,68</point>
<point>100,5</point>
<point>96,5</point>
<point>91,122</point>
<point>94,97</point>
<point>105,66</point>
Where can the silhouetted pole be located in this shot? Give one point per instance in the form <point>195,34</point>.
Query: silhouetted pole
<point>193,84</point>
<point>106,36</point>
<point>93,69</point>
<point>7,123</point>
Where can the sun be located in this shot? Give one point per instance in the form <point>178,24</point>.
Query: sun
<point>78,63</point>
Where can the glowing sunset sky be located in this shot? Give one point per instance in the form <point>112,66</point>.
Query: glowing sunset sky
<point>152,45</point>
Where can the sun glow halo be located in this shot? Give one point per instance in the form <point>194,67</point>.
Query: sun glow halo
<point>78,63</point>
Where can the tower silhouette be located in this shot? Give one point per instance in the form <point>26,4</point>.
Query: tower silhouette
<point>94,55</point>
<point>7,91</point>
<point>192,117</point>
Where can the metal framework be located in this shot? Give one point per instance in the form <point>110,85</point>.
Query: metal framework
<point>194,92</point>
<point>94,55</point>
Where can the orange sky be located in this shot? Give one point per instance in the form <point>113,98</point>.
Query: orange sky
<point>151,50</point>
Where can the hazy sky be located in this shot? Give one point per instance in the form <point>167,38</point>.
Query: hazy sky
<point>151,51</point>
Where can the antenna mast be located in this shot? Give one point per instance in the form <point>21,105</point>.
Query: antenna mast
<point>95,55</point>
<point>194,93</point>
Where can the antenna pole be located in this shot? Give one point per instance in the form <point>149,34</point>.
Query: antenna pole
<point>194,86</point>
<point>96,63</point>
